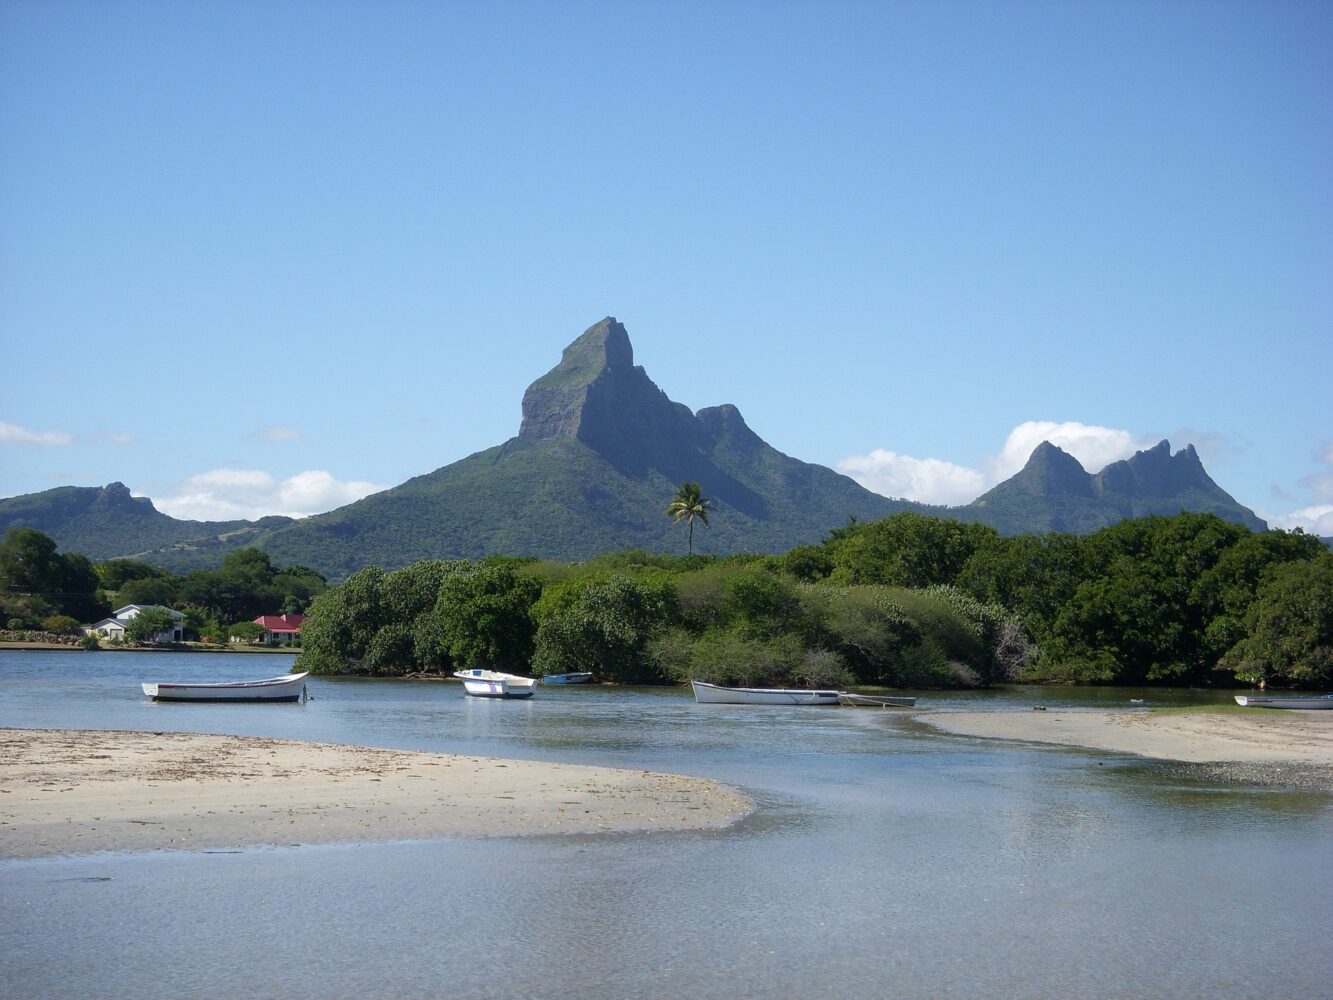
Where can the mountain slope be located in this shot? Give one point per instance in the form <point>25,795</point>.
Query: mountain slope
<point>107,523</point>
<point>599,453</point>
<point>1053,492</point>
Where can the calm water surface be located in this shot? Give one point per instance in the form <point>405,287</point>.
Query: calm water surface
<point>883,861</point>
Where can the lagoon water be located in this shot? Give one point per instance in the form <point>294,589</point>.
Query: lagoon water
<point>883,860</point>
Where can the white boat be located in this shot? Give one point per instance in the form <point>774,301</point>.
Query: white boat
<point>290,687</point>
<point>1290,701</point>
<point>850,699</point>
<point>493,684</point>
<point>713,694</point>
<point>577,677</point>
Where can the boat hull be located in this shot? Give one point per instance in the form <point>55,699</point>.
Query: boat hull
<point>580,677</point>
<point>493,684</point>
<point>1268,701</point>
<point>288,688</point>
<point>712,694</point>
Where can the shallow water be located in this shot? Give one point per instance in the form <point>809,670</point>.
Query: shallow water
<point>883,860</point>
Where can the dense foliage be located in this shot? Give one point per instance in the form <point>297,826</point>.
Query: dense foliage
<point>37,584</point>
<point>908,601</point>
<point>635,618</point>
<point>1153,600</point>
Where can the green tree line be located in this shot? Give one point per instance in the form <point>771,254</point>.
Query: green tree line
<point>909,601</point>
<point>39,585</point>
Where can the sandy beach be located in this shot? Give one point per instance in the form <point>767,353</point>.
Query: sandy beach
<point>1263,745</point>
<point>74,791</point>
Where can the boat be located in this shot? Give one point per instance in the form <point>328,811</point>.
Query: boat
<point>493,684</point>
<point>849,699</point>
<point>1289,701</point>
<point>577,677</point>
<point>289,687</point>
<point>713,694</point>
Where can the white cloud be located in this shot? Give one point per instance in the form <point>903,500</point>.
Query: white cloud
<point>934,480</point>
<point>1317,520</point>
<point>232,494</point>
<point>1094,447</point>
<point>931,480</point>
<point>14,434</point>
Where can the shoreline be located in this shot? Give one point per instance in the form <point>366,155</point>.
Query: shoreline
<point>1271,747</point>
<point>82,791</point>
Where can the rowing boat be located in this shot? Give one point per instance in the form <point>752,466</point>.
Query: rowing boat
<point>1278,701</point>
<point>852,700</point>
<point>290,687</point>
<point>713,694</point>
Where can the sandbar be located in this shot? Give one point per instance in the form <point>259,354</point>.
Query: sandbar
<point>1273,741</point>
<point>78,791</point>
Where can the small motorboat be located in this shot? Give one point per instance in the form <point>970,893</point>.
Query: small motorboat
<point>713,694</point>
<point>1324,701</point>
<point>577,677</point>
<point>290,687</point>
<point>494,684</point>
<point>849,699</point>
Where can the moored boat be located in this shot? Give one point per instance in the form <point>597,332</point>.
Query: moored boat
<point>1280,701</point>
<point>290,687</point>
<point>714,694</point>
<point>576,677</point>
<point>850,699</point>
<point>494,684</point>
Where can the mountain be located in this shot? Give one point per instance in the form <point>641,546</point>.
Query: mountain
<point>105,522</point>
<point>599,454</point>
<point>1053,492</point>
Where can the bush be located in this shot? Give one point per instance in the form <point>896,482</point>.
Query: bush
<point>16,623</point>
<point>61,625</point>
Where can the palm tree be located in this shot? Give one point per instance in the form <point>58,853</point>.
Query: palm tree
<point>689,503</point>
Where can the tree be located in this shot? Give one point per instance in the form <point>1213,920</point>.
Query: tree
<point>484,617</point>
<point>906,550</point>
<point>688,505</point>
<point>148,624</point>
<point>602,625</point>
<point>246,631</point>
<point>1289,628</point>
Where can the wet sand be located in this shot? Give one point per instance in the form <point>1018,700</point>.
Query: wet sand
<point>1264,746</point>
<point>75,791</point>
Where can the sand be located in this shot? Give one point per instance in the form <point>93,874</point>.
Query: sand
<point>73,791</point>
<point>1265,745</point>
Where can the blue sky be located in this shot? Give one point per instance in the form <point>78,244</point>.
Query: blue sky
<point>266,257</point>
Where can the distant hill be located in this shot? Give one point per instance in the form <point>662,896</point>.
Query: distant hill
<point>105,522</point>
<point>600,452</point>
<point>1053,492</point>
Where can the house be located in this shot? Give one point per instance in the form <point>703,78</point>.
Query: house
<point>114,627</point>
<point>279,629</point>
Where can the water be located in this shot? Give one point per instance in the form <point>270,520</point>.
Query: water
<point>883,860</point>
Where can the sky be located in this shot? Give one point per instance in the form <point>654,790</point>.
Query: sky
<point>268,257</point>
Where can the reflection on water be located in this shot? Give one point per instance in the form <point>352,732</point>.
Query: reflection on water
<point>883,861</point>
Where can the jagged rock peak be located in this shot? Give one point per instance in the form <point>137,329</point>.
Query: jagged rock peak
<point>598,395</point>
<point>1156,472</point>
<point>118,493</point>
<point>725,421</point>
<point>1050,470</point>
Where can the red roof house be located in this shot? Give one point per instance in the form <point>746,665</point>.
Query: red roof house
<point>280,628</point>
